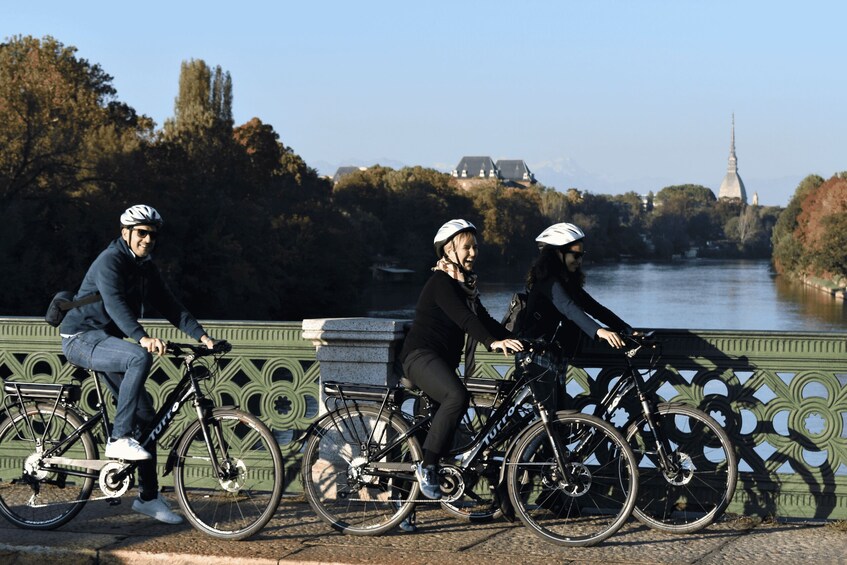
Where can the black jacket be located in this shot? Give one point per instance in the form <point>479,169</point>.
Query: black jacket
<point>549,304</point>
<point>442,318</point>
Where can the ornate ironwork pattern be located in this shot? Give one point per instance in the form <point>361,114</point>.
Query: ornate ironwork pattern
<point>781,396</point>
<point>271,372</point>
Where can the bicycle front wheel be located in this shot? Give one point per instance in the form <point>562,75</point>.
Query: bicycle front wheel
<point>237,502</point>
<point>588,500</point>
<point>698,484</point>
<point>32,496</point>
<point>347,484</point>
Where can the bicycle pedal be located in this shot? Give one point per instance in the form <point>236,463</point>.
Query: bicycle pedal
<point>114,501</point>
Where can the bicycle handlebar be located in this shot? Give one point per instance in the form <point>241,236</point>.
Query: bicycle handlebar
<point>198,350</point>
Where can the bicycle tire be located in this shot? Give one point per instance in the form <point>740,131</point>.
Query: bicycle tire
<point>699,493</point>
<point>348,490</point>
<point>38,499</point>
<point>595,502</point>
<point>240,505</point>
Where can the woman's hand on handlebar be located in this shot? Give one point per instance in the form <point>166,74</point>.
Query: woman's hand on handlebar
<point>507,346</point>
<point>207,341</point>
<point>610,337</point>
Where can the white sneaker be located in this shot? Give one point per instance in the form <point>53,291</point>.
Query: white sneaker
<point>126,448</point>
<point>158,508</point>
<point>428,479</point>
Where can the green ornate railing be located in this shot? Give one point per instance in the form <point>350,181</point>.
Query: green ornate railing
<point>271,372</point>
<point>781,396</point>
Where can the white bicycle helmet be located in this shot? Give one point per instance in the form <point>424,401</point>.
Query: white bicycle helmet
<point>448,231</point>
<point>141,215</point>
<point>558,235</point>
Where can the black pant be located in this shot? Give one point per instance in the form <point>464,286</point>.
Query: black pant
<point>443,385</point>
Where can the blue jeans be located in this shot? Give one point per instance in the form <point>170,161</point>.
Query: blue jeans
<point>125,366</point>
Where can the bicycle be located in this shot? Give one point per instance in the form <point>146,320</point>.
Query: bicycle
<point>570,477</point>
<point>228,469</point>
<point>686,462</point>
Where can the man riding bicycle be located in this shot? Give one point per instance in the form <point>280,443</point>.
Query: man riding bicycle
<point>128,283</point>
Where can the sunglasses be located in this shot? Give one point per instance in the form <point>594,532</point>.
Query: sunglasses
<point>576,254</point>
<point>142,233</point>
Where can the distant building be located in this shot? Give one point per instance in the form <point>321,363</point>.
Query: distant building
<point>516,172</point>
<point>476,168</point>
<point>732,185</point>
<point>342,171</point>
<point>472,170</point>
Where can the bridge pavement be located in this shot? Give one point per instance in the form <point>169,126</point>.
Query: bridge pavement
<point>104,534</point>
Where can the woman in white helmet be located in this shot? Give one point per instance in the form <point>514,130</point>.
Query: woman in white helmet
<point>448,309</point>
<point>558,306</point>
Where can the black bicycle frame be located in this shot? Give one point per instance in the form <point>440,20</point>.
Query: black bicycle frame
<point>512,413</point>
<point>630,379</point>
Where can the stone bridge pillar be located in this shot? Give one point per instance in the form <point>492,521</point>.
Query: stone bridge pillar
<point>356,350</point>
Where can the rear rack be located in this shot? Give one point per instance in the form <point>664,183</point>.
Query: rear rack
<point>43,391</point>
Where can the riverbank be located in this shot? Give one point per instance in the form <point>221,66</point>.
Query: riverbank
<point>826,286</point>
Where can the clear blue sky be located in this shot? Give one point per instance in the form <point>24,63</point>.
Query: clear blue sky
<point>605,96</point>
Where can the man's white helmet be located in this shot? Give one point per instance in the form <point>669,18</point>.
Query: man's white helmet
<point>448,231</point>
<point>558,235</point>
<point>141,215</point>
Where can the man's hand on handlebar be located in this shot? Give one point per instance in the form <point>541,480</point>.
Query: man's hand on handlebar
<point>153,345</point>
<point>507,346</point>
<point>207,341</point>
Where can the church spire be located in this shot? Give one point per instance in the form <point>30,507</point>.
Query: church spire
<point>732,185</point>
<point>732,167</point>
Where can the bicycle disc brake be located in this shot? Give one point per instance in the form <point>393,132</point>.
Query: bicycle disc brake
<point>110,485</point>
<point>237,472</point>
<point>578,485</point>
<point>683,470</point>
<point>356,472</point>
<point>33,469</point>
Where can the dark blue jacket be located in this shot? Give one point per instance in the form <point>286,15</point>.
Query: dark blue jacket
<point>127,286</point>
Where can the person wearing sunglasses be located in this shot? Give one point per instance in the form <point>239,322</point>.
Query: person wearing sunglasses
<point>559,309</point>
<point>93,337</point>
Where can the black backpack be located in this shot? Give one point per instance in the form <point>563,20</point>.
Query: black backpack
<point>515,314</point>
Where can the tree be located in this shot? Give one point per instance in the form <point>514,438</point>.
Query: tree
<point>58,119</point>
<point>788,256</point>
<point>202,122</point>
<point>67,147</point>
<point>510,222</point>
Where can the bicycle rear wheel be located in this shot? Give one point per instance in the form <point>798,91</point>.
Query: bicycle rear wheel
<point>345,485</point>
<point>698,489</point>
<point>239,504</point>
<point>37,498</point>
<point>585,503</point>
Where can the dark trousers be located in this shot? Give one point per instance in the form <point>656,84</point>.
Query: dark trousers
<point>443,385</point>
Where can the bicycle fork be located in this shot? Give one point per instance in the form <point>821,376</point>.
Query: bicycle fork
<point>663,448</point>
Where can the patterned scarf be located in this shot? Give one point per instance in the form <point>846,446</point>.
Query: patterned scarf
<point>468,280</point>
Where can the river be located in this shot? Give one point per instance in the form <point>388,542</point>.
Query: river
<point>697,294</point>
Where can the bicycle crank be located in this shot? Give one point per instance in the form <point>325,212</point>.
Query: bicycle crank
<point>111,483</point>
<point>451,482</point>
